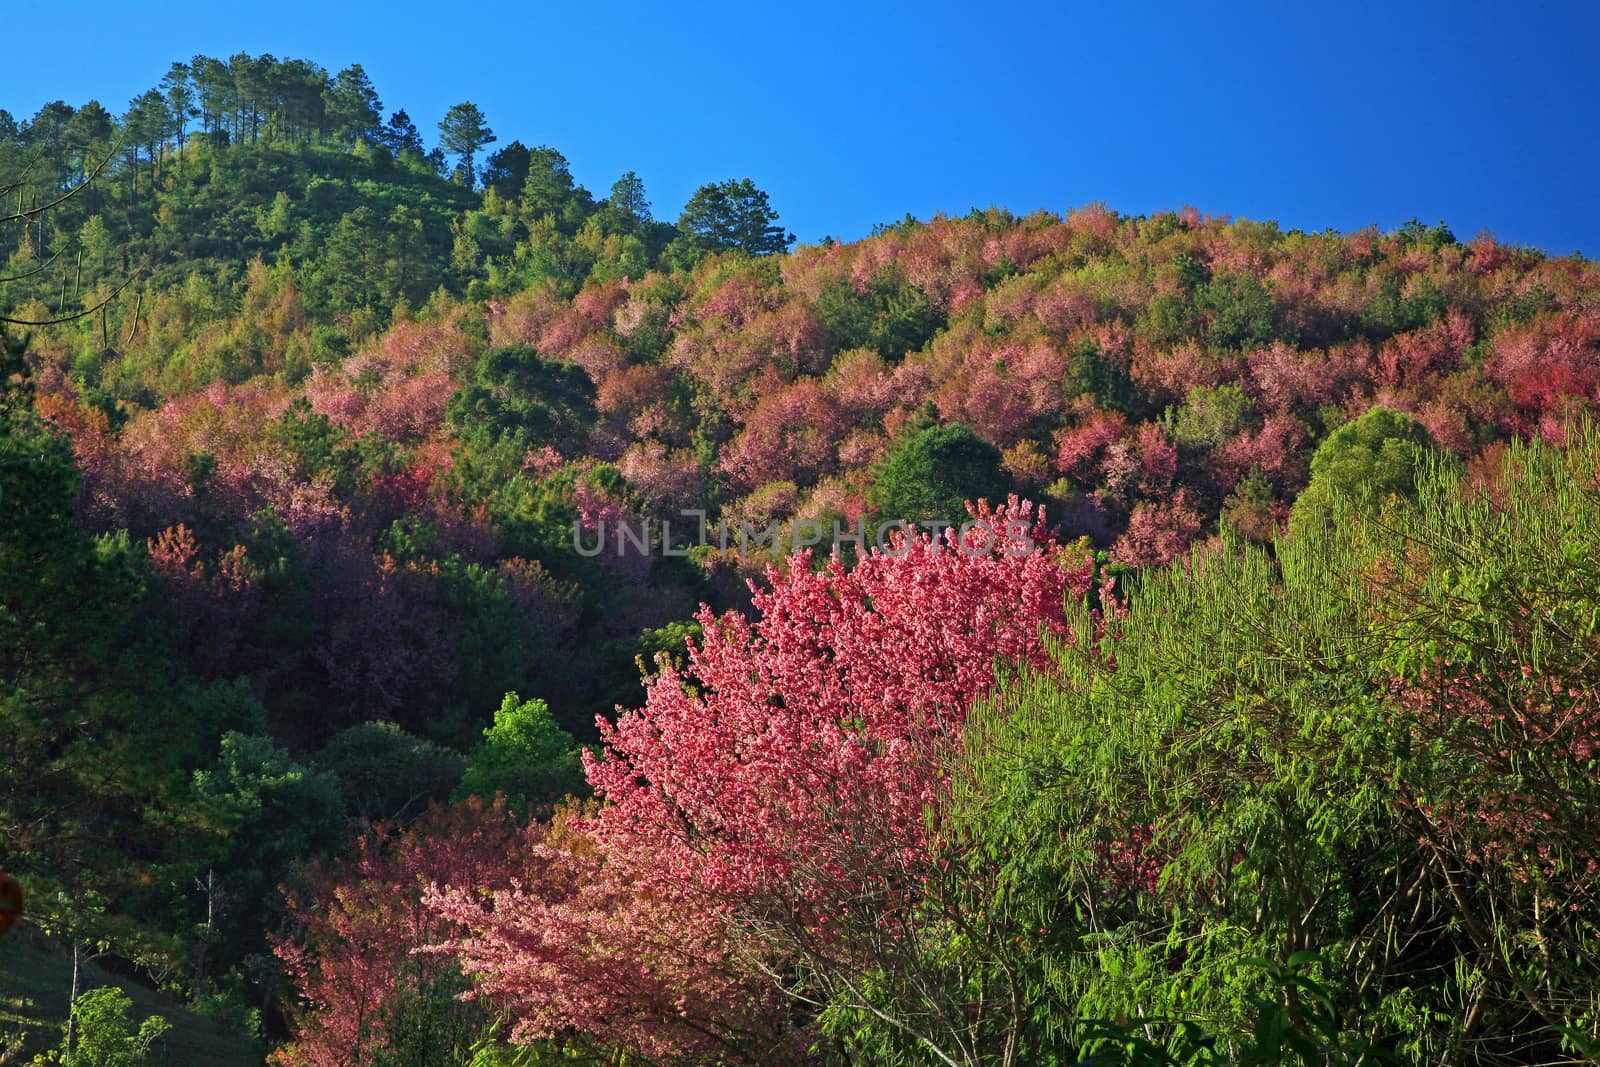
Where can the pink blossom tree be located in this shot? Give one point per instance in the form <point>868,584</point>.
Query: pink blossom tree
<point>769,805</point>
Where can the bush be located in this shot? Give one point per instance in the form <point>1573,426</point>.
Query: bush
<point>934,473</point>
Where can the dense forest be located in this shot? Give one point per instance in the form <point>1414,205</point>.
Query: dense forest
<point>1195,660</point>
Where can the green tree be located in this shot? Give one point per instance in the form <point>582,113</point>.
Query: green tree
<point>88,137</point>
<point>387,774</point>
<point>628,199</point>
<point>1238,309</point>
<point>550,190</point>
<point>463,131</point>
<point>354,111</point>
<point>400,135</point>
<point>90,748</point>
<point>1362,754</point>
<point>352,266</point>
<point>270,813</point>
<point>1363,463</point>
<point>143,126</point>
<point>105,1034</point>
<point>515,394</point>
<point>889,315</point>
<point>933,473</point>
<point>214,90</point>
<point>733,214</point>
<point>506,172</point>
<point>179,91</point>
<point>523,755</point>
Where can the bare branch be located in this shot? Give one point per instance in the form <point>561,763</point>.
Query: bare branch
<point>88,180</point>
<point>40,269</point>
<point>65,318</point>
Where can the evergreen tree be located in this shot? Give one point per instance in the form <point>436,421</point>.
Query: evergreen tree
<point>628,199</point>
<point>934,473</point>
<point>507,170</point>
<point>733,214</point>
<point>400,134</point>
<point>354,111</point>
<point>180,98</point>
<point>463,131</point>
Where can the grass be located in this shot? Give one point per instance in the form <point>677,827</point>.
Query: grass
<point>35,979</point>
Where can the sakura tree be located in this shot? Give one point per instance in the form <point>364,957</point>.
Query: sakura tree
<point>772,809</point>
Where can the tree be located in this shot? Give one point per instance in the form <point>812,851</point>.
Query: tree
<point>275,812</point>
<point>213,84</point>
<point>524,756</point>
<point>628,199</point>
<point>400,134</point>
<point>88,136</point>
<point>514,393</point>
<point>792,435</point>
<point>463,131</point>
<point>775,800</point>
<point>507,170</point>
<point>733,214</point>
<point>362,987</point>
<point>105,1033</point>
<point>386,774</point>
<point>89,745</point>
<point>180,102</point>
<point>550,190</point>
<point>143,126</point>
<point>888,315</point>
<point>1363,462</point>
<point>932,473</point>
<point>1372,749</point>
<point>354,111</point>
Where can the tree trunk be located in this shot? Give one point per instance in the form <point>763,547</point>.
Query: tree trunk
<point>72,1015</point>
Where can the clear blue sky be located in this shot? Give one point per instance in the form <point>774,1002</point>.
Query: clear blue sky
<point>1484,115</point>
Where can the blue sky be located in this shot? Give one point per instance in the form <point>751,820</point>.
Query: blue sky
<point>1485,116</point>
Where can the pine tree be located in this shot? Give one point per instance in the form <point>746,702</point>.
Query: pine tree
<point>733,214</point>
<point>463,131</point>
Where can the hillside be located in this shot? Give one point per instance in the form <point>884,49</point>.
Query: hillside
<point>35,977</point>
<point>315,528</point>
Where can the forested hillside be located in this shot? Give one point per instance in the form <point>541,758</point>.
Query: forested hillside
<point>1258,720</point>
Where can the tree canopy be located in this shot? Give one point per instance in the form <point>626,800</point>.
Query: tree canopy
<point>733,214</point>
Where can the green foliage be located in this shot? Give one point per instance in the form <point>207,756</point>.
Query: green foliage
<point>386,774</point>
<point>524,756</point>
<point>463,131</point>
<point>1365,461</point>
<point>889,316</point>
<point>352,230</point>
<point>266,813</point>
<point>1104,379</point>
<point>732,214</point>
<point>1299,1026</point>
<point>226,1004</point>
<point>105,1035</point>
<point>89,746</point>
<point>353,110</point>
<point>1414,232</point>
<point>515,396</point>
<point>1249,783</point>
<point>1238,310</point>
<point>429,1023</point>
<point>1209,416</point>
<point>933,473</point>
<point>671,640</point>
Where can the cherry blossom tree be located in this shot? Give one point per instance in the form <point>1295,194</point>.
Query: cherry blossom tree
<point>768,808</point>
